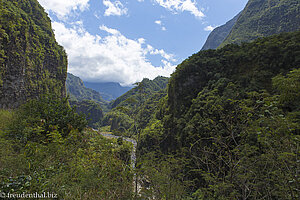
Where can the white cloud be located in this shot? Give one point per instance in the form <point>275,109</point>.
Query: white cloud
<point>62,8</point>
<point>110,58</point>
<point>114,8</point>
<point>209,28</point>
<point>109,30</point>
<point>158,22</point>
<point>181,5</point>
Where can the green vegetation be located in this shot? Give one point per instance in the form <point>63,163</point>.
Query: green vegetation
<point>31,61</point>
<point>219,34</point>
<point>133,110</point>
<point>229,127</point>
<point>44,148</point>
<point>147,87</point>
<point>91,110</point>
<point>86,101</point>
<point>262,18</point>
<point>5,117</point>
<point>78,92</point>
<point>226,125</point>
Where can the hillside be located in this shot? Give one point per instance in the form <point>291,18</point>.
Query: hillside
<point>148,87</point>
<point>134,109</point>
<point>31,61</point>
<point>78,92</point>
<point>109,91</point>
<point>92,111</point>
<point>218,35</point>
<point>46,149</point>
<point>225,112</point>
<point>262,18</point>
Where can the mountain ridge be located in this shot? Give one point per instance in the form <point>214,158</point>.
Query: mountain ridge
<point>219,34</point>
<point>261,18</point>
<point>108,90</point>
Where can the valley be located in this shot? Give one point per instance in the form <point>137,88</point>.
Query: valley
<point>224,125</point>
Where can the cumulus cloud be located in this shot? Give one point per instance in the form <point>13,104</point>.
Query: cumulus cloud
<point>114,8</point>
<point>181,6</point>
<point>62,8</point>
<point>209,28</point>
<point>110,58</point>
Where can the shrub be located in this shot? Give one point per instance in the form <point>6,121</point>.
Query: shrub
<point>38,118</point>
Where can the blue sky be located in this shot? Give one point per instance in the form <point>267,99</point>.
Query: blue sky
<point>127,40</point>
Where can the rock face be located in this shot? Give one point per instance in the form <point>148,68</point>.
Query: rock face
<point>90,109</point>
<point>31,61</point>
<point>261,18</point>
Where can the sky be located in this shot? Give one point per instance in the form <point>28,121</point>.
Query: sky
<point>125,41</point>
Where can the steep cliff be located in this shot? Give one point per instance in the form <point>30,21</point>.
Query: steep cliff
<point>90,109</point>
<point>31,61</point>
<point>217,36</point>
<point>262,18</point>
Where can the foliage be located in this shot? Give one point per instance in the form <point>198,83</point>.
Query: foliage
<point>56,155</point>
<point>38,118</point>
<point>142,91</point>
<point>231,118</point>
<point>289,88</point>
<point>132,111</point>
<point>5,117</point>
<point>117,121</point>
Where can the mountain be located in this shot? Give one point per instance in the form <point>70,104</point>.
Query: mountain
<point>262,18</point>
<point>109,91</point>
<point>31,61</point>
<point>147,86</point>
<point>217,36</point>
<point>78,92</point>
<point>136,107</point>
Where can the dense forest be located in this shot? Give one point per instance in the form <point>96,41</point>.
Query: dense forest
<point>229,126</point>
<point>225,125</point>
